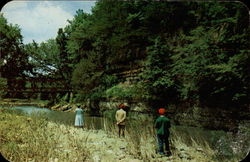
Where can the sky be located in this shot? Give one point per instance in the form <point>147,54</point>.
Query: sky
<point>40,20</point>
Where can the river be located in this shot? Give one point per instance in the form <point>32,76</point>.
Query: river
<point>58,116</point>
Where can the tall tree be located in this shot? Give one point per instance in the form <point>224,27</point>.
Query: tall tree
<point>13,58</point>
<point>43,58</point>
<point>64,66</point>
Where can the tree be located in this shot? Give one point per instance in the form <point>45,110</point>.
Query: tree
<point>12,55</point>
<point>157,78</point>
<point>205,59</point>
<point>43,58</point>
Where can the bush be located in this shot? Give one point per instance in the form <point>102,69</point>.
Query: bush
<point>126,91</point>
<point>3,86</point>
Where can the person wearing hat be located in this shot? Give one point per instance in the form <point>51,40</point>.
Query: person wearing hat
<point>162,125</point>
<point>79,116</point>
<point>120,117</point>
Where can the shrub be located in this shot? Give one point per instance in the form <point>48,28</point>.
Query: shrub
<point>3,86</point>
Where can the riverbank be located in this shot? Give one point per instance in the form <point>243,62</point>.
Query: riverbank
<point>9,102</point>
<point>30,139</point>
<point>35,139</point>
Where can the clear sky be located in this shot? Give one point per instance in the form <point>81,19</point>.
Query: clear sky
<point>40,20</point>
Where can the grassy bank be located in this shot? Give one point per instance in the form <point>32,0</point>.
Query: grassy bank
<point>141,142</point>
<point>23,102</point>
<point>187,143</point>
<point>35,139</point>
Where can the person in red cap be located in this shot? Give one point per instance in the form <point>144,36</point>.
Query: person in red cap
<point>120,119</point>
<point>162,125</point>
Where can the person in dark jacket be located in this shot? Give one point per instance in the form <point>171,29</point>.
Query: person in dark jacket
<point>162,125</point>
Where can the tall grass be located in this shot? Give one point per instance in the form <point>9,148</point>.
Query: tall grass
<point>185,145</point>
<point>35,139</point>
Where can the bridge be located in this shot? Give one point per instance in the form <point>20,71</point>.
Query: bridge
<point>39,90</point>
<point>37,85</point>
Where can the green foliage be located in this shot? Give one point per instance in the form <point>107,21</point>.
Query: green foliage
<point>64,64</point>
<point>110,80</point>
<point>127,91</point>
<point>157,76</point>
<point>3,87</point>
<point>120,91</point>
<point>78,40</point>
<point>88,73</point>
<point>13,59</point>
<point>206,68</point>
<point>43,58</point>
<point>195,52</point>
<point>199,58</point>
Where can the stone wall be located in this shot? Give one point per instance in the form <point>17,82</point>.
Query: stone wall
<point>130,76</point>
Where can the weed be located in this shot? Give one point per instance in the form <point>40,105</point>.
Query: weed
<point>34,138</point>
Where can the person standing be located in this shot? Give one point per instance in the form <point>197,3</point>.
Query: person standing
<point>120,119</point>
<point>162,125</point>
<point>79,117</point>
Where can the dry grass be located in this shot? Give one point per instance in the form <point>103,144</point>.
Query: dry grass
<point>142,144</point>
<point>36,139</point>
<point>30,139</point>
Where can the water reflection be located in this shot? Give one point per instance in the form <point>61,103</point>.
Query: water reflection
<point>67,118</point>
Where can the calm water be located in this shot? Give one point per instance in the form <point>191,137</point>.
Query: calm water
<point>67,118</point>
